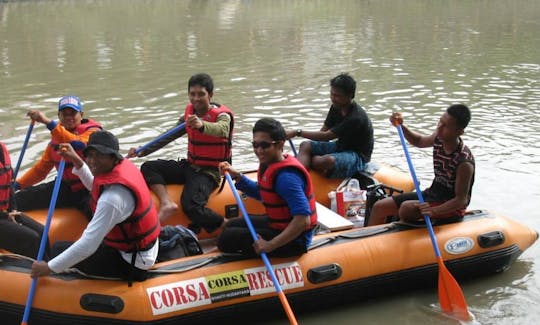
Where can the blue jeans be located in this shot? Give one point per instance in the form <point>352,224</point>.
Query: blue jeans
<point>347,163</point>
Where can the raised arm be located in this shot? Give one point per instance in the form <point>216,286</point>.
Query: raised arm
<point>413,137</point>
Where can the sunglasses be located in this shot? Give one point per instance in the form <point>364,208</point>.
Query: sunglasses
<point>263,144</point>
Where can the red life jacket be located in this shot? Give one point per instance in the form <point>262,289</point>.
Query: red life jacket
<point>140,230</point>
<point>276,207</point>
<point>6,174</point>
<point>68,176</point>
<point>207,150</point>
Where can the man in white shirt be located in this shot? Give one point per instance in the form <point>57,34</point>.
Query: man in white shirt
<point>111,245</point>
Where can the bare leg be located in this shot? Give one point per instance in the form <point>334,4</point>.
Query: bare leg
<point>409,211</point>
<point>167,207</point>
<point>323,163</point>
<point>382,209</point>
<point>304,154</point>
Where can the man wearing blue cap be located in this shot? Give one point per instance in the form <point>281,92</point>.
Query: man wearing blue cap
<point>71,128</point>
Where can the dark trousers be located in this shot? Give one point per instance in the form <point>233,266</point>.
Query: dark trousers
<point>236,238</point>
<point>39,197</point>
<point>106,261</point>
<point>23,236</point>
<point>197,189</point>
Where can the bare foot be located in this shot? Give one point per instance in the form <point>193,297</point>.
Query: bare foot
<point>166,210</point>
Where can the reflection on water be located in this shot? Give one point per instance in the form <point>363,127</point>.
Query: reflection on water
<point>129,61</point>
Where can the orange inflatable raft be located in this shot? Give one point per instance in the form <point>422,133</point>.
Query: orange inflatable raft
<point>355,262</point>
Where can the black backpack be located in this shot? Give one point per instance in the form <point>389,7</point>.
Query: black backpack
<point>177,241</point>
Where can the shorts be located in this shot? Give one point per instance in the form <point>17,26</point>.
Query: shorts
<point>347,163</point>
<point>432,200</point>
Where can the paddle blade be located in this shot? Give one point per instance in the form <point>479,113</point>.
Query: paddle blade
<point>450,294</point>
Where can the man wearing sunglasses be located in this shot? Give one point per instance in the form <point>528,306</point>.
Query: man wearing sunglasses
<point>343,145</point>
<point>284,186</point>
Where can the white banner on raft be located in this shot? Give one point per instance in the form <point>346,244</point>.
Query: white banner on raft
<point>201,291</point>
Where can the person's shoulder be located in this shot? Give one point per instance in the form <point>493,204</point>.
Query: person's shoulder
<point>357,109</point>
<point>222,107</point>
<point>116,193</point>
<point>356,105</point>
<point>288,180</point>
<point>333,109</point>
<point>289,174</point>
<point>467,151</point>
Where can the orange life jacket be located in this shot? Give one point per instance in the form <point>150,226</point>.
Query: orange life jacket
<point>68,176</point>
<point>207,150</point>
<point>6,174</point>
<point>276,207</point>
<point>140,230</point>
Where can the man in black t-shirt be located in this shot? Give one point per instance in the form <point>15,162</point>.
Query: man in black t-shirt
<point>343,145</point>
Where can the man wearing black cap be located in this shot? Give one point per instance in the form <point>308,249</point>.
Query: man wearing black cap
<point>121,239</point>
<point>72,128</point>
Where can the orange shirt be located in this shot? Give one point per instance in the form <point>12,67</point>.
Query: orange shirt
<point>41,169</point>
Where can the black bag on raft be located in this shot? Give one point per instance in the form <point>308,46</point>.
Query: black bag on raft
<point>375,193</point>
<point>176,242</point>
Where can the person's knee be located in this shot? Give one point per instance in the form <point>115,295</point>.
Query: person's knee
<point>188,206</point>
<point>409,212</point>
<point>146,168</point>
<point>381,210</point>
<point>222,242</point>
<point>305,147</point>
<point>322,163</point>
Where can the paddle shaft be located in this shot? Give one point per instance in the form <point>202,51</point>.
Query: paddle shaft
<point>293,148</point>
<point>23,150</point>
<point>265,259</point>
<point>451,296</point>
<point>44,238</point>
<point>418,191</point>
<point>165,135</point>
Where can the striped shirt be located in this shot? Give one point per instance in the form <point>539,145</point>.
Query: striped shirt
<point>445,167</point>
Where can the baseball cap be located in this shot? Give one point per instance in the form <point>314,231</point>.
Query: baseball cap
<point>70,101</point>
<point>104,142</point>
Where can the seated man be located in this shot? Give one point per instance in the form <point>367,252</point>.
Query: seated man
<point>347,122</point>
<point>286,190</point>
<point>450,193</point>
<point>121,239</point>
<point>72,128</point>
<point>19,233</point>
<point>209,127</point>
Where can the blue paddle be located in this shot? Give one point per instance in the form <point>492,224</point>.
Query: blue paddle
<point>23,150</point>
<point>451,296</point>
<point>282,297</point>
<point>44,237</point>
<point>165,135</point>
